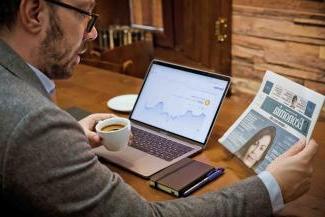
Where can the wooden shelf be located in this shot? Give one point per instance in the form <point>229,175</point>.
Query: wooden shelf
<point>132,59</point>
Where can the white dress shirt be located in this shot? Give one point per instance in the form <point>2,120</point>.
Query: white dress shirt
<point>48,84</point>
<point>274,190</point>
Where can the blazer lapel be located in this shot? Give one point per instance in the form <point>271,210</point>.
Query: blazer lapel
<point>11,61</point>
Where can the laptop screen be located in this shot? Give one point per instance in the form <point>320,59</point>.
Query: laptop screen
<point>180,100</point>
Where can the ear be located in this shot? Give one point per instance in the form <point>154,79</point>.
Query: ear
<point>33,15</point>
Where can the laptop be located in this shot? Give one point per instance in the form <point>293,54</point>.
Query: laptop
<point>172,118</point>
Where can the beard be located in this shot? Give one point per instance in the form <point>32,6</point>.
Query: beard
<point>55,53</point>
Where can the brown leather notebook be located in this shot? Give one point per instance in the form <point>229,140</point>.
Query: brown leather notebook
<point>179,177</point>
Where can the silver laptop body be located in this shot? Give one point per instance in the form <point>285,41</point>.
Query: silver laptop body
<point>176,105</point>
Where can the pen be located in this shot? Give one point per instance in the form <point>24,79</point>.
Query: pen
<point>211,176</point>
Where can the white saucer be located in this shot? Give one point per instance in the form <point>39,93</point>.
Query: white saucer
<point>122,103</point>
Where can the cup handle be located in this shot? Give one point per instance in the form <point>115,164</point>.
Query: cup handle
<point>97,122</point>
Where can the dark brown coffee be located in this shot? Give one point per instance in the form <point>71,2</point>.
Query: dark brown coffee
<point>112,127</point>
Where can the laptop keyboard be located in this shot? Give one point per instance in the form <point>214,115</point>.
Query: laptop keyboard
<point>157,146</point>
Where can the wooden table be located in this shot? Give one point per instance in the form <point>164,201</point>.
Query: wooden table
<point>90,88</point>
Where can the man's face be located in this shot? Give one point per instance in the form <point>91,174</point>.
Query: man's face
<point>65,39</point>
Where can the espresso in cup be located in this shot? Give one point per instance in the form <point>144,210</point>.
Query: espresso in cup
<point>112,127</point>
<point>114,132</point>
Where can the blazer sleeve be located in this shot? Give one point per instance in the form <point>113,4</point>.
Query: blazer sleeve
<point>50,170</point>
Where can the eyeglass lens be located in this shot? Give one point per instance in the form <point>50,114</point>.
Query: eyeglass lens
<point>91,23</point>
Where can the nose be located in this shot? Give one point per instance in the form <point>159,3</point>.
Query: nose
<point>92,35</point>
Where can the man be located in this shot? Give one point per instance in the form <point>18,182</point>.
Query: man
<point>294,102</point>
<point>47,167</point>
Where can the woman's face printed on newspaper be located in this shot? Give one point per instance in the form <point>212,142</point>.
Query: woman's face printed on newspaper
<point>256,150</point>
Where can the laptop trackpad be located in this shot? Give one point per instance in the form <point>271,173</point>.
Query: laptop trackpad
<point>134,160</point>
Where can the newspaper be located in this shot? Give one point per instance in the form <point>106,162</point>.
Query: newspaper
<point>281,113</point>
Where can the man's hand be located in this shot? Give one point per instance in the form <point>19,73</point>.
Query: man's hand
<point>293,169</point>
<point>88,125</point>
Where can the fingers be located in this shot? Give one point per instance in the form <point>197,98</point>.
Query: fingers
<point>91,134</point>
<point>88,124</point>
<point>90,121</point>
<point>102,116</point>
<point>94,139</point>
<point>310,150</point>
<point>296,148</point>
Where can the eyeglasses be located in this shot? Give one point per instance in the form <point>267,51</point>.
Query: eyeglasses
<point>91,22</point>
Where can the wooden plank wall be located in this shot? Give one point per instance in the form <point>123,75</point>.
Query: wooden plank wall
<point>112,13</point>
<point>285,36</point>
<point>147,12</point>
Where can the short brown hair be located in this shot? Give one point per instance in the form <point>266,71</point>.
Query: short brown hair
<point>8,12</point>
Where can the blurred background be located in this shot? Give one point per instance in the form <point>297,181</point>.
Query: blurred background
<point>239,38</point>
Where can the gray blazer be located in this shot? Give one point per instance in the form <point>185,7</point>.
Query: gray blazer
<point>47,167</point>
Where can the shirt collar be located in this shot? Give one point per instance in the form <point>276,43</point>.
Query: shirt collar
<point>48,84</point>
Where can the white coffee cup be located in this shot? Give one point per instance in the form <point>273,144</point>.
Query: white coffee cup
<point>116,138</point>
